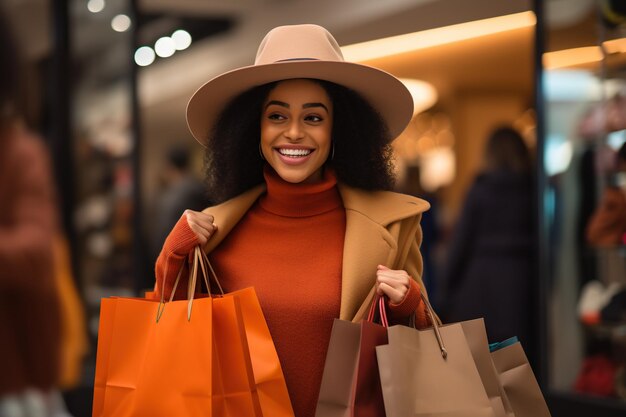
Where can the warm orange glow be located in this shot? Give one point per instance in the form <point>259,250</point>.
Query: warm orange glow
<point>583,55</point>
<point>394,45</point>
<point>615,45</point>
<point>424,94</point>
<point>571,57</point>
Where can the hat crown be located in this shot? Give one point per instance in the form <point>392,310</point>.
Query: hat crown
<point>298,42</point>
<point>300,51</point>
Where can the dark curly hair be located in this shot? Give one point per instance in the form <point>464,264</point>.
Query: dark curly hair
<point>362,155</point>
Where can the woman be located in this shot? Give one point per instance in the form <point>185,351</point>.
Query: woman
<point>490,263</point>
<point>298,156</point>
<point>29,307</point>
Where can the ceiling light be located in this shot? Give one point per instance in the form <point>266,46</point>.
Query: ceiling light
<point>182,39</point>
<point>571,57</point>
<point>434,37</point>
<point>424,94</point>
<point>95,6</point>
<point>583,55</point>
<point>144,56</point>
<point>165,47</point>
<point>437,168</point>
<point>615,45</point>
<point>120,23</point>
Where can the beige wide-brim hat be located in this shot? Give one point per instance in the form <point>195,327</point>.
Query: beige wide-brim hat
<point>300,51</point>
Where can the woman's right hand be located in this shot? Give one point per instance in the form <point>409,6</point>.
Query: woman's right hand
<point>201,224</point>
<point>192,229</point>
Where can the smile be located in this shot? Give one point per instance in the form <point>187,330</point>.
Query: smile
<point>294,153</point>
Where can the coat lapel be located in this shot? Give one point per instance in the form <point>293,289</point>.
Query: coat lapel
<point>228,214</point>
<point>368,241</point>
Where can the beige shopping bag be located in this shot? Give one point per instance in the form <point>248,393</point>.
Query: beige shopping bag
<point>519,382</point>
<point>419,380</point>
<point>427,373</point>
<point>476,336</point>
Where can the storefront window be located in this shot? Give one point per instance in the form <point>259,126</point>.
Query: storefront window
<point>103,145</point>
<point>584,198</point>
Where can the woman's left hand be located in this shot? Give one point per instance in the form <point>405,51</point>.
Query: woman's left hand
<point>392,283</point>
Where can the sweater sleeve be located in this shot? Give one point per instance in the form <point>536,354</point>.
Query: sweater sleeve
<point>412,303</point>
<point>177,247</point>
<point>26,239</point>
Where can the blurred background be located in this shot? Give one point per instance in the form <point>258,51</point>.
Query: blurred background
<point>107,86</point>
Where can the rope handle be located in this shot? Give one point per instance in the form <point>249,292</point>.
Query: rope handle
<point>435,322</point>
<point>205,258</point>
<point>199,259</point>
<point>378,304</point>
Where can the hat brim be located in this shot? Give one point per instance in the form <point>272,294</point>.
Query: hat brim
<point>384,92</point>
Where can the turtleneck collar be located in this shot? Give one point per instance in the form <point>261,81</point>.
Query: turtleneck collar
<point>300,200</point>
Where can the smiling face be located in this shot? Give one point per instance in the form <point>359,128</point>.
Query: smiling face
<point>296,130</point>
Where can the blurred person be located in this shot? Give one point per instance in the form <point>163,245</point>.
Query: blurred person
<point>299,163</point>
<point>607,225</point>
<point>586,206</point>
<point>181,190</point>
<point>490,260</point>
<point>29,301</point>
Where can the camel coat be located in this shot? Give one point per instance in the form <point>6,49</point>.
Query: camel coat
<point>381,228</point>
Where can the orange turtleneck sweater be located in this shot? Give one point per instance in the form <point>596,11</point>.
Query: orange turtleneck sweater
<point>289,247</point>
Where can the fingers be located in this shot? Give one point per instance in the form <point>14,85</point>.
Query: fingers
<point>392,283</point>
<point>199,217</point>
<point>395,296</point>
<point>399,276</point>
<point>201,224</point>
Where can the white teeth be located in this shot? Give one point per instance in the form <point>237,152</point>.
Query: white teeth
<point>295,153</point>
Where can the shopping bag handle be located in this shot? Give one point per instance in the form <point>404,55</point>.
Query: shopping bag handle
<point>161,306</point>
<point>204,259</point>
<point>378,304</point>
<point>199,257</point>
<point>435,322</point>
<point>191,283</point>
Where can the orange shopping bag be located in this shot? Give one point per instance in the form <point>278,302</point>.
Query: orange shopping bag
<point>183,358</point>
<point>269,381</point>
<point>268,374</point>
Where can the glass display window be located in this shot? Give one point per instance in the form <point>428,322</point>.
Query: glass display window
<point>583,199</point>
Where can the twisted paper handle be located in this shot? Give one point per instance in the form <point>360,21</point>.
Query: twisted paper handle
<point>199,258</point>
